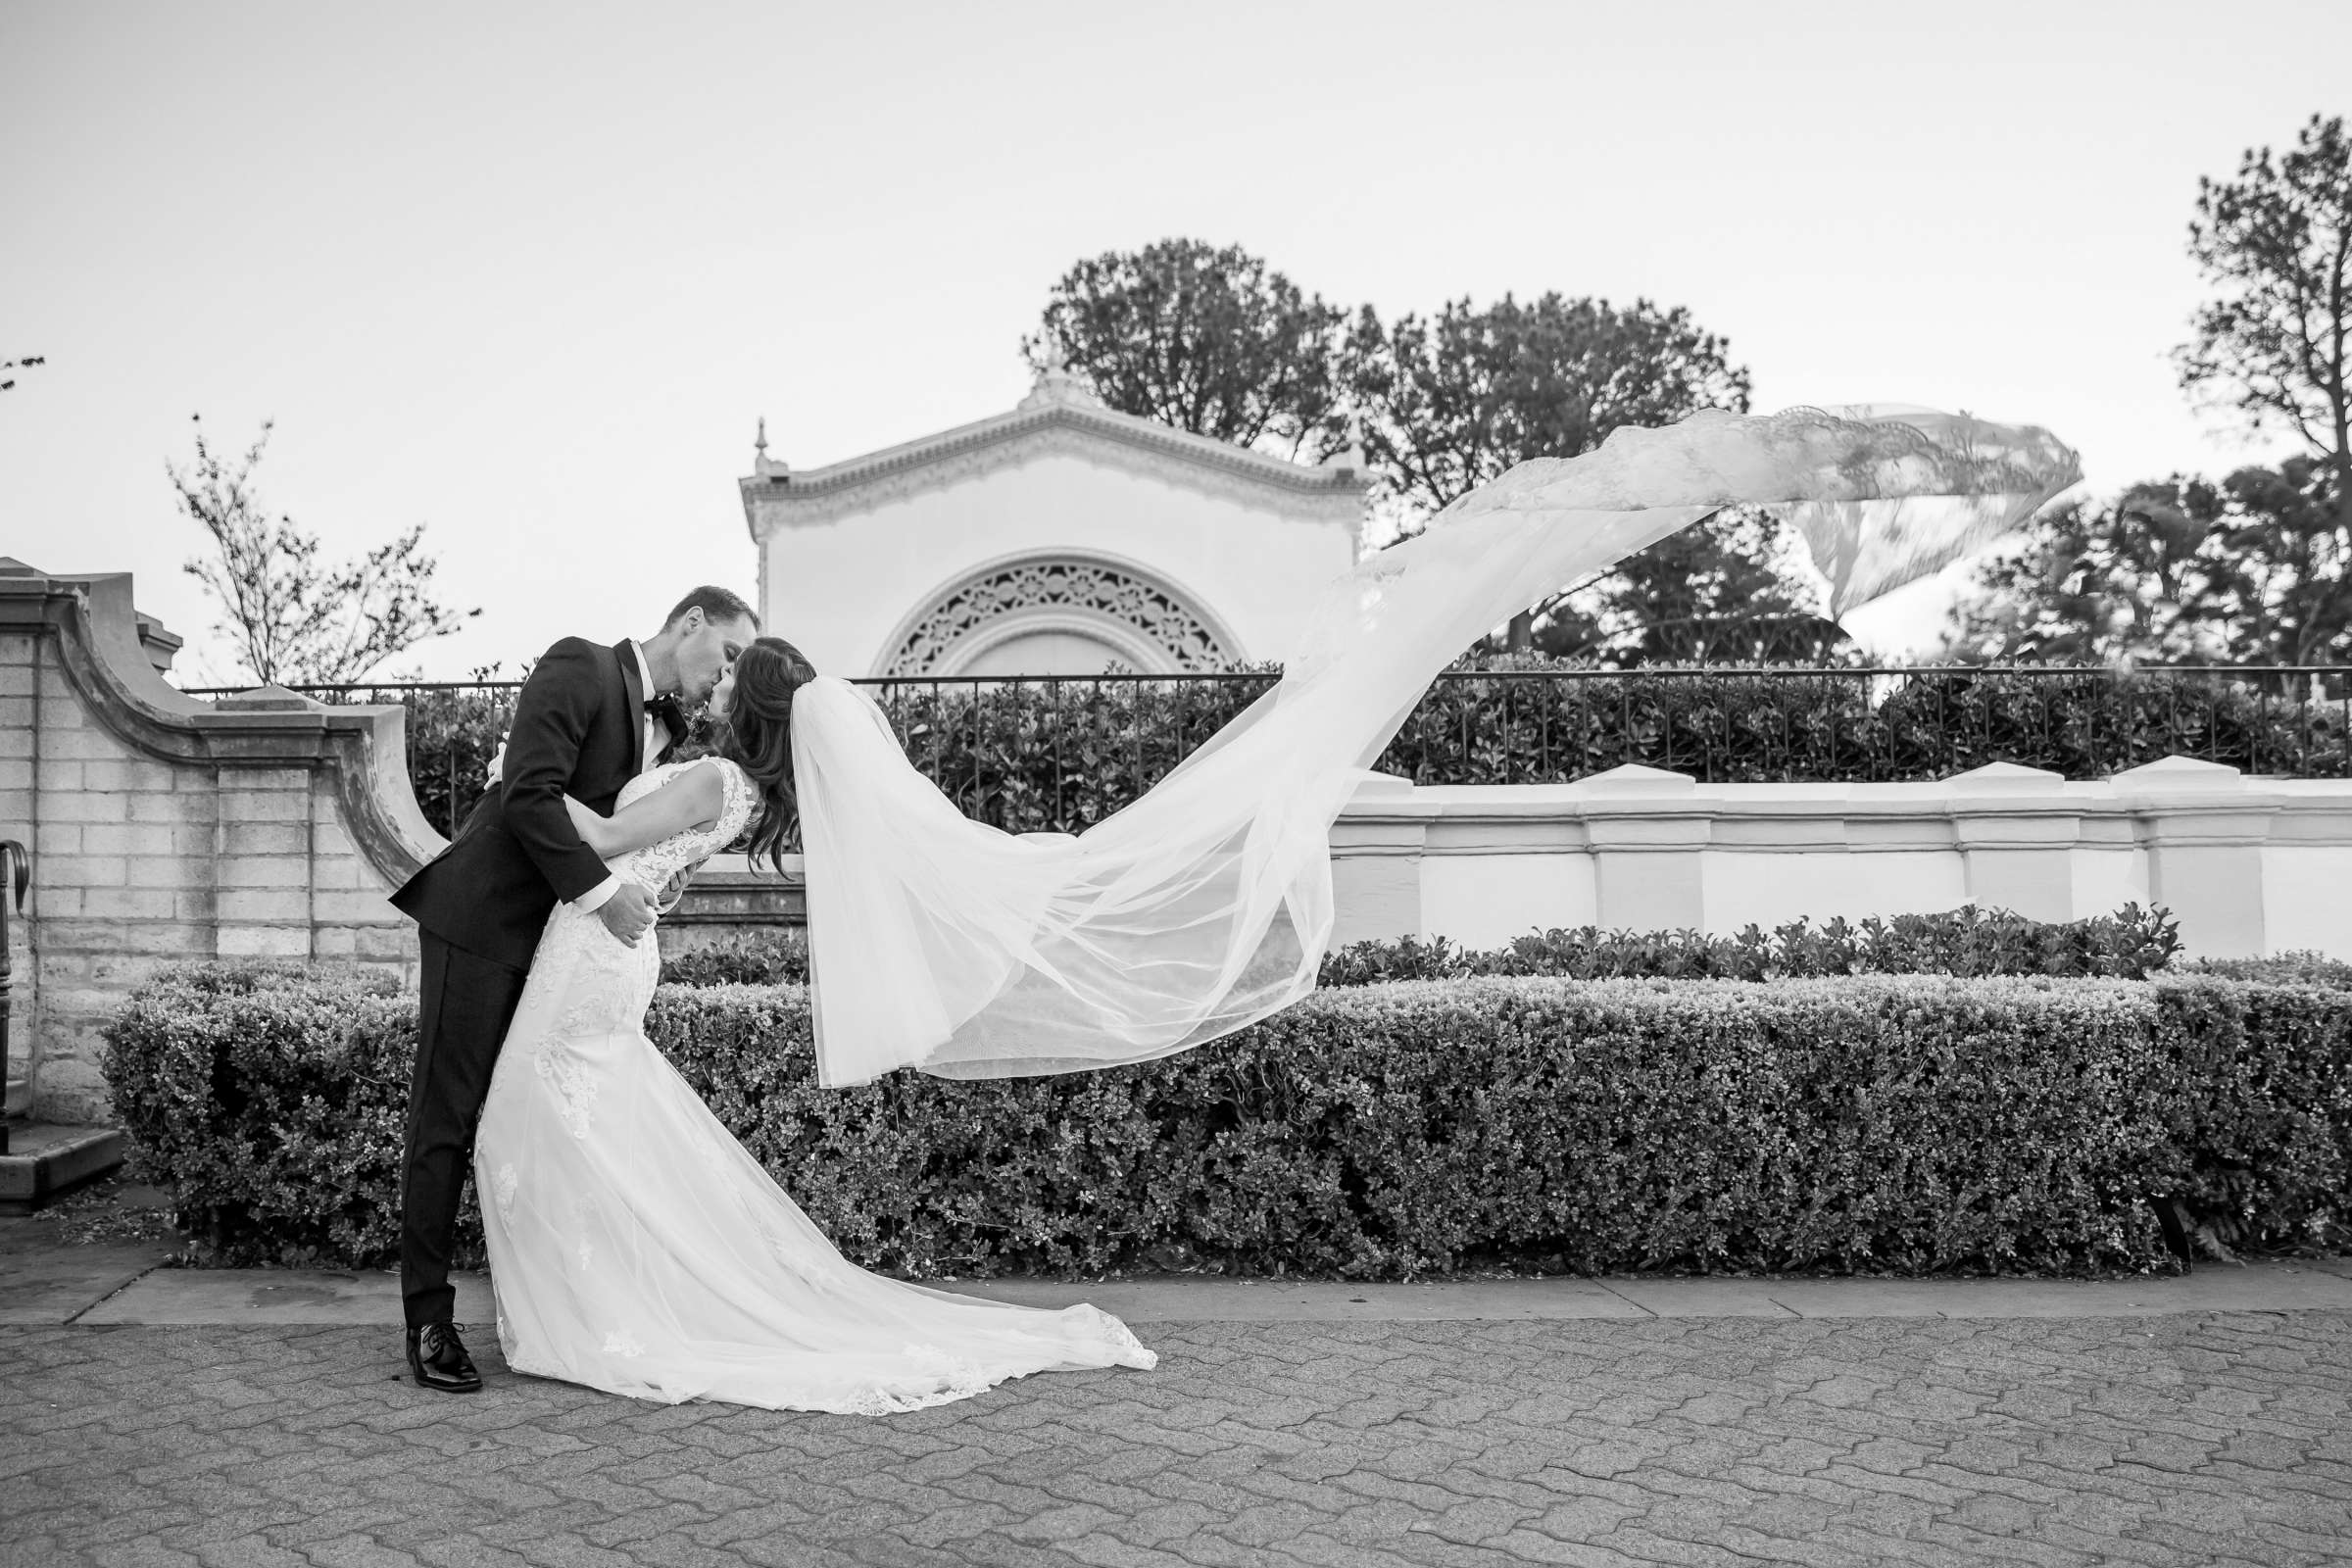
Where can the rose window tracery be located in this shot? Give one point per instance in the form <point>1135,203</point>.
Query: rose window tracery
<point>1066,588</point>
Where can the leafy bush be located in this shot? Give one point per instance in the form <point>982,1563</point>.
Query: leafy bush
<point>2131,944</point>
<point>2284,968</point>
<point>1871,1122</point>
<point>768,957</point>
<point>452,737</point>
<point>453,732</point>
<point>1061,756</point>
<point>2264,1103</point>
<point>272,1100</point>
<point>1525,719</point>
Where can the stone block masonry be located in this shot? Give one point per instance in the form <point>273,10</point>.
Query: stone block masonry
<point>164,829</point>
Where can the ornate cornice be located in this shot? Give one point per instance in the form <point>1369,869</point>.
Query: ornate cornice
<point>1331,494</point>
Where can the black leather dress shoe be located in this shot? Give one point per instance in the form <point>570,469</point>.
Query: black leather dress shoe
<point>437,1360</point>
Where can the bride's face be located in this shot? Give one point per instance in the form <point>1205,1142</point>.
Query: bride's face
<point>722,695</point>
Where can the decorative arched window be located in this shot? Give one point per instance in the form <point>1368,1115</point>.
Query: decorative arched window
<point>1059,614</point>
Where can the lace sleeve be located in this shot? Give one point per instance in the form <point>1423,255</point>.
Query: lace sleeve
<point>657,865</point>
<point>740,802</point>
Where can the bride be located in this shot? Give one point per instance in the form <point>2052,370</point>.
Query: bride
<point>636,1247</point>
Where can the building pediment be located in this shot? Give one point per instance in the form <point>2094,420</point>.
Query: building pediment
<point>1058,419</point>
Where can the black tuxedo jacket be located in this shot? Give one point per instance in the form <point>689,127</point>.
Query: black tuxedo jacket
<point>578,731</point>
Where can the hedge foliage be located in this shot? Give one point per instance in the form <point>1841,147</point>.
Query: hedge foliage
<point>2132,944</point>
<point>773,956</point>
<point>1063,755</point>
<point>2284,968</point>
<point>272,1100</point>
<point>1903,1124</point>
<point>1731,726</point>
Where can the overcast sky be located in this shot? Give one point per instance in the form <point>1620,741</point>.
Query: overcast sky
<point>529,273</point>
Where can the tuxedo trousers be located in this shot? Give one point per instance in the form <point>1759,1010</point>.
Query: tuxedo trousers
<point>465,1004</point>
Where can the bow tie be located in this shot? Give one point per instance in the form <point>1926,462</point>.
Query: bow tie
<point>665,708</point>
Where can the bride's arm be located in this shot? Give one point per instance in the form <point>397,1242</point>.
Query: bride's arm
<point>691,800</point>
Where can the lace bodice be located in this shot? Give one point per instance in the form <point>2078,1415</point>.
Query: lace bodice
<point>586,982</point>
<point>656,864</point>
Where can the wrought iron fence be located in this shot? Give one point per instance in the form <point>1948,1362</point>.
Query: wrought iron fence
<point>1059,753</point>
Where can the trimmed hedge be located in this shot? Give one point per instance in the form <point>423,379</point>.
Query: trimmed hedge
<point>1727,725</point>
<point>1904,1124</point>
<point>2132,944</point>
<point>272,1100</point>
<point>1063,755</point>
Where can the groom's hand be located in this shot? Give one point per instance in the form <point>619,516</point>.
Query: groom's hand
<point>628,913</point>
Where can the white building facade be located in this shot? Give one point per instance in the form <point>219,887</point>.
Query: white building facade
<point>1057,539</point>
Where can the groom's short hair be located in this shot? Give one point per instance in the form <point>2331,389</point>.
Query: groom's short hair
<point>715,604</point>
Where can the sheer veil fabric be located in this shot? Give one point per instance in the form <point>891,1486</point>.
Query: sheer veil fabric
<point>948,946</point>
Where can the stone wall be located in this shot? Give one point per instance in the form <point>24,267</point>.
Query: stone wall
<point>163,828</point>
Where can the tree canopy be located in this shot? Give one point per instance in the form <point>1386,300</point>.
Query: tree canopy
<point>1447,403</point>
<point>2257,567</point>
<point>293,620</point>
<point>1732,588</point>
<point>1213,340</point>
<point>2251,570</point>
<point>1204,338</point>
<point>2273,347</point>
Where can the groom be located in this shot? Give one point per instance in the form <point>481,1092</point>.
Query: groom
<point>590,719</point>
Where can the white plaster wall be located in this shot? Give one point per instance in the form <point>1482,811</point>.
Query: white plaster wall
<point>1484,900</point>
<point>2246,865</point>
<point>2307,898</point>
<point>2105,880</point>
<point>1769,887</point>
<point>839,589</point>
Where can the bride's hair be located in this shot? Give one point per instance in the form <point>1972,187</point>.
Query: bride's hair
<point>756,736</point>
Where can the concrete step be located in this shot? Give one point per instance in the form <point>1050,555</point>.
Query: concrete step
<point>44,1161</point>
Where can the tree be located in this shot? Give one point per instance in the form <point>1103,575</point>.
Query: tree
<point>1726,590</point>
<point>25,364</point>
<point>2278,238</point>
<point>2087,584</point>
<point>2277,563</point>
<point>294,621</point>
<point>1447,403</point>
<point>1204,339</point>
<point>2252,570</point>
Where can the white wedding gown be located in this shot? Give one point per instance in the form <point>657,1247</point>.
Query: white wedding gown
<point>637,1249</point>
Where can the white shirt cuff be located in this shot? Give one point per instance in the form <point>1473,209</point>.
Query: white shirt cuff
<point>595,897</point>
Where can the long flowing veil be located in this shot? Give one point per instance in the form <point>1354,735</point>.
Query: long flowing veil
<point>951,946</point>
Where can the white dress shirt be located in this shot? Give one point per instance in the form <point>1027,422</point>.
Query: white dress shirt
<point>657,741</point>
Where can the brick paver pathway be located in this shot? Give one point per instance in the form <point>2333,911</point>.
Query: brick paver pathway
<point>2212,1439</point>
